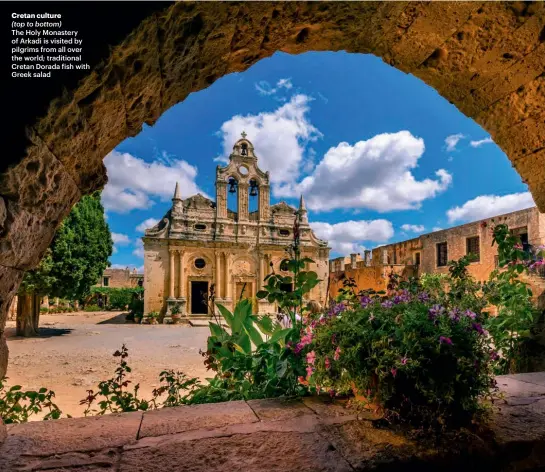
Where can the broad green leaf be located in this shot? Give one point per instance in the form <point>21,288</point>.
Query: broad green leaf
<point>281,368</point>
<point>217,330</point>
<point>244,345</point>
<point>253,332</point>
<point>227,315</point>
<point>279,335</point>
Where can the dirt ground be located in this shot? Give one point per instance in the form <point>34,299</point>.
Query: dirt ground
<point>74,353</point>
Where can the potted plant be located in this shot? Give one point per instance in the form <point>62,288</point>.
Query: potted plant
<point>152,317</point>
<point>175,314</point>
<point>138,317</point>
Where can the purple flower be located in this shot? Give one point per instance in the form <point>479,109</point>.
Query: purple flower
<point>397,300</point>
<point>435,311</point>
<point>387,304</point>
<point>423,297</point>
<point>365,301</point>
<point>454,314</point>
<point>336,309</point>
<point>331,393</point>
<point>470,314</point>
<point>477,327</point>
<point>443,339</point>
<point>494,356</point>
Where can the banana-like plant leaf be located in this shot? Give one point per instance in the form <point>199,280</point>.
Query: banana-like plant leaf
<point>253,332</point>
<point>244,345</point>
<point>217,330</point>
<point>243,309</point>
<point>280,335</point>
<point>227,315</point>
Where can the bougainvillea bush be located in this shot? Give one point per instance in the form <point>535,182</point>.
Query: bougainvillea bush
<point>407,353</point>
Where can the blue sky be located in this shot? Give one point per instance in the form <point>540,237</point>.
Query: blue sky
<point>379,156</point>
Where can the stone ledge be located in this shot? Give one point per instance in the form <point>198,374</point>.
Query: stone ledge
<point>315,434</point>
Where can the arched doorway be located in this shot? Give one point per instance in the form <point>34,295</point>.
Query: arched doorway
<point>484,57</point>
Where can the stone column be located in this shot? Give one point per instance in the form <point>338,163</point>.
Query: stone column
<point>228,276</point>
<point>262,270</point>
<point>242,202</point>
<point>221,199</point>
<point>181,284</point>
<point>171,274</point>
<point>218,274</point>
<point>264,199</point>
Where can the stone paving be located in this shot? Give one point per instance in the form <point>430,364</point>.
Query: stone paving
<point>314,434</point>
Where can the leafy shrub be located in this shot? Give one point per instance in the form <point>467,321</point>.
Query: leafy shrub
<point>137,306</point>
<point>17,405</point>
<point>517,315</point>
<point>44,309</point>
<point>407,354</point>
<point>92,308</point>
<point>118,298</point>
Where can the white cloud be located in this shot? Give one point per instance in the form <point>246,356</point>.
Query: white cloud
<point>120,239</point>
<point>486,206</point>
<point>149,223</point>
<point>373,174</point>
<point>133,183</point>
<point>452,140</point>
<point>436,228</point>
<point>481,142</point>
<point>139,248</point>
<point>139,269</point>
<point>413,228</point>
<point>348,236</point>
<point>265,88</point>
<point>279,138</point>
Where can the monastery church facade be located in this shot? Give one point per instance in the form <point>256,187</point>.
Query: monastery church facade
<point>200,242</point>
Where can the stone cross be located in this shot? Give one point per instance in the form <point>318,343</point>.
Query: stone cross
<point>243,134</point>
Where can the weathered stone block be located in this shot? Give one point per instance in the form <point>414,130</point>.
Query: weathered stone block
<point>187,418</point>
<point>76,434</point>
<point>278,409</point>
<point>267,451</point>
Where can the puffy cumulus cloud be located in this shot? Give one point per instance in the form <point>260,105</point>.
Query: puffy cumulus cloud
<point>134,183</point>
<point>348,236</point>
<point>373,174</point>
<point>481,142</point>
<point>280,137</point>
<point>149,223</point>
<point>413,228</point>
<point>139,248</point>
<point>486,206</point>
<point>265,88</point>
<point>120,239</point>
<point>452,140</point>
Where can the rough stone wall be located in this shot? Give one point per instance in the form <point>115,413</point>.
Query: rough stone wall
<point>485,57</point>
<point>119,278</point>
<point>367,278</point>
<point>156,269</point>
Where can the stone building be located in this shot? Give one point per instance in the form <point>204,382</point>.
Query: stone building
<point>430,253</point>
<point>200,243</point>
<point>121,278</point>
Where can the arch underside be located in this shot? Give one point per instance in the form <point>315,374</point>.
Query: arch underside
<point>484,57</point>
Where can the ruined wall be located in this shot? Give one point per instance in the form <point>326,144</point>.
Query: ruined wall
<point>484,57</point>
<point>120,278</point>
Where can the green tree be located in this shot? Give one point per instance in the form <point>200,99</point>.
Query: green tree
<point>71,266</point>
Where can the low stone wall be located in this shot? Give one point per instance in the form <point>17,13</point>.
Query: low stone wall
<point>313,434</point>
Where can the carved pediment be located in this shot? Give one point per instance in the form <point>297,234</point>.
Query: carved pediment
<point>199,202</point>
<point>283,208</point>
<point>243,267</point>
<point>161,228</point>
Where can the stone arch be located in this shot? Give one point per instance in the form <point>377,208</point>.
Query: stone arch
<point>484,57</point>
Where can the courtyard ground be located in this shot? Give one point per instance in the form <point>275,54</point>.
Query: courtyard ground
<point>74,353</point>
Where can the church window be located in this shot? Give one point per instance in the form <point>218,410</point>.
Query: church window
<point>243,170</point>
<point>199,227</point>
<point>200,263</point>
<point>284,232</point>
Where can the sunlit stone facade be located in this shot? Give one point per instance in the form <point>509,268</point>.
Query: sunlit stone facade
<point>200,244</point>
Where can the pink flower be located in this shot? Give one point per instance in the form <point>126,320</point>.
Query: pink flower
<point>331,393</point>
<point>443,339</point>
<point>404,361</point>
<point>337,354</point>
<point>311,357</point>
<point>393,371</point>
<point>310,370</point>
<point>327,363</point>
